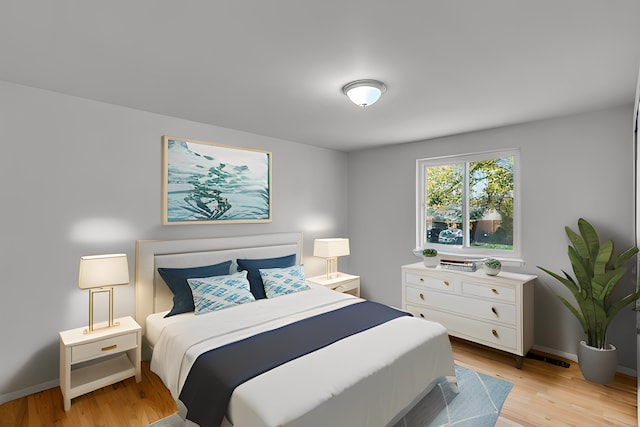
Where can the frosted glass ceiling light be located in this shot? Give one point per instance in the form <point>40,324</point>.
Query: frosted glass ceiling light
<point>364,92</point>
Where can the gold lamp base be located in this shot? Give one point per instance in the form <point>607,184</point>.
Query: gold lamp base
<point>92,328</point>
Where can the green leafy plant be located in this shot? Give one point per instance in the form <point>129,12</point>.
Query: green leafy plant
<point>429,252</point>
<point>493,263</point>
<point>597,271</point>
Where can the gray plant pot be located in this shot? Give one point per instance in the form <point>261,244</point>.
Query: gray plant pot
<point>431,261</point>
<point>597,365</point>
<point>490,271</point>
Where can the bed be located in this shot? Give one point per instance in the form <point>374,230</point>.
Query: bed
<point>369,378</point>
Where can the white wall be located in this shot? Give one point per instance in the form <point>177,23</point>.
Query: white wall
<point>571,167</point>
<point>80,177</point>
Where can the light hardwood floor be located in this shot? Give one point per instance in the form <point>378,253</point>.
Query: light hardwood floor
<point>543,395</point>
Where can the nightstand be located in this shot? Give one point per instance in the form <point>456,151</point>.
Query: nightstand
<point>342,283</point>
<point>95,360</point>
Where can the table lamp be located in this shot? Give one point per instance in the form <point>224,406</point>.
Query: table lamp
<point>330,250</point>
<point>100,273</point>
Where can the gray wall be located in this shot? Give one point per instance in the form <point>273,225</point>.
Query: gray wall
<point>579,166</point>
<point>80,177</point>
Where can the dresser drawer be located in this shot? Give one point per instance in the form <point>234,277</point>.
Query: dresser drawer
<point>497,292</point>
<point>103,347</point>
<point>497,336</point>
<point>471,307</point>
<point>429,282</point>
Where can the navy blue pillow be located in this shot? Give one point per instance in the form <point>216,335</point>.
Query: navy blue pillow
<point>253,274</point>
<point>176,279</point>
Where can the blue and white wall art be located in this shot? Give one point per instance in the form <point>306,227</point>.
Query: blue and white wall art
<point>205,182</point>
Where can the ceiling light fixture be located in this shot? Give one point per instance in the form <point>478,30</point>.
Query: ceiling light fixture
<point>364,92</point>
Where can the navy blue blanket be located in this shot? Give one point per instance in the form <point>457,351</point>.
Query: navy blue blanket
<point>216,373</point>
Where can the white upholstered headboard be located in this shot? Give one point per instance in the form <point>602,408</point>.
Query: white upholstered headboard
<point>153,295</point>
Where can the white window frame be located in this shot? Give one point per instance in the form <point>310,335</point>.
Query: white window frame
<point>464,249</point>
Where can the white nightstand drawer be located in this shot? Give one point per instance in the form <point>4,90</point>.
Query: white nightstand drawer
<point>103,347</point>
<point>345,283</point>
<point>347,286</point>
<point>498,292</point>
<point>431,282</point>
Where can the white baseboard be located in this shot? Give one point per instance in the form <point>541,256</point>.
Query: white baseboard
<point>622,369</point>
<point>627,371</point>
<point>4,398</point>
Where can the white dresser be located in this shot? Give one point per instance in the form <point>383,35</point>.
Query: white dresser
<point>496,311</point>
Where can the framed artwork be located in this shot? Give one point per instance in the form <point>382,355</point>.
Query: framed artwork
<point>208,183</point>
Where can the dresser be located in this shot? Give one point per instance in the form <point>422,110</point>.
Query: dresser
<point>495,311</point>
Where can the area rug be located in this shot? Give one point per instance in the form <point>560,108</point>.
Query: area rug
<point>477,404</point>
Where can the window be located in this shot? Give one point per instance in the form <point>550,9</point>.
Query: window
<point>469,205</point>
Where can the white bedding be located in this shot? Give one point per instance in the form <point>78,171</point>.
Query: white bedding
<point>364,380</point>
<point>156,323</point>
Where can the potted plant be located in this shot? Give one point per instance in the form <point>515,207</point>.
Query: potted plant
<point>430,257</point>
<point>597,270</point>
<point>491,266</point>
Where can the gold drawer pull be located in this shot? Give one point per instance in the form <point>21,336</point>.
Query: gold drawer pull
<point>422,297</point>
<point>494,310</point>
<point>495,333</point>
<point>495,291</point>
<point>446,282</point>
<point>111,347</point>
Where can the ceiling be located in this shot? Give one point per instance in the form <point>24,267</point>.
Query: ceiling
<point>276,68</point>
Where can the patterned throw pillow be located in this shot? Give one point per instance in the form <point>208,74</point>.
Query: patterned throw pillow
<point>282,281</point>
<point>218,292</point>
<point>253,266</point>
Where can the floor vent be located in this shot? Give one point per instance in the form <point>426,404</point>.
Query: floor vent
<point>548,359</point>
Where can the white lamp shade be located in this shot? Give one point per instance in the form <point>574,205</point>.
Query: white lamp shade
<point>329,248</point>
<point>103,270</point>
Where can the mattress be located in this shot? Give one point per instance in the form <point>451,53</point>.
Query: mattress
<point>156,323</point>
<point>367,379</point>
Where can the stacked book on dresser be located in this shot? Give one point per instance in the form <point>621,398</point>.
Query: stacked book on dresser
<point>450,262</point>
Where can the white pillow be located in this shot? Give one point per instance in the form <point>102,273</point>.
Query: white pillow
<point>218,292</point>
<point>283,281</point>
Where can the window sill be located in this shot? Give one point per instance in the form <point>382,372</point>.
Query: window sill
<point>509,262</point>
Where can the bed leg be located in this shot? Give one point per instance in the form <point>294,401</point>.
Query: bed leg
<point>453,384</point>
